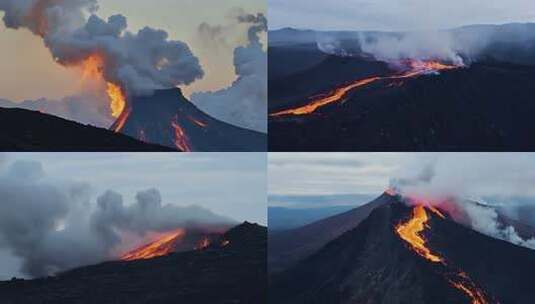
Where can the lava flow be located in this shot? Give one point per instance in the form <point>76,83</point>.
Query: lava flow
<point>162,246</point>
<point>92,69</point>
<point>416,68</point>
<point>411,232</point>
<point>181,138</point>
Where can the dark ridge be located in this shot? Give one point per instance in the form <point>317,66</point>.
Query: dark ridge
<point>25,130</point>
<point>235,273</point>
<point>288,247</point>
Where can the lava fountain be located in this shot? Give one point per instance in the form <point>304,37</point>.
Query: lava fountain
<point>92,68</point>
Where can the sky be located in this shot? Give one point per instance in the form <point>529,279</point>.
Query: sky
<point>28,71</point>
<point>230,184</point>
<point>467,174</point>
<point>395,15</point>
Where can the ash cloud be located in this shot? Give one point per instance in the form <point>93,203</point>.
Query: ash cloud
<point>54,226</point>
<point>139,62</point>
<point>244,103</point>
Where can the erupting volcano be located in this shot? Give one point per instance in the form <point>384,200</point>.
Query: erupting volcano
<point>348,96</point>
<point>340,94</point>
<point>397,250</point>
<point>167,118</point>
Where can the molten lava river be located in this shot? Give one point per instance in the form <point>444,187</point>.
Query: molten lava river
<point>339,94</point>
<point>162,246</point>
<point>411,232</point>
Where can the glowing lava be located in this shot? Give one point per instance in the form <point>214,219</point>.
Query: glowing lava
<point>411,232</point>
<point>334,96</point>
<point>416,68</point>
<point>181,139</point>
<point>92,68</point>
<point>162,246</point>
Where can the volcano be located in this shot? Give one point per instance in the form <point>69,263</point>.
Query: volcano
<point>408,254</point>
<point>233,271</point>
<point>328,102</point>
<point>167,118</point>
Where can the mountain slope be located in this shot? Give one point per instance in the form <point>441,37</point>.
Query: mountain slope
<point>25,130</point>
<point>372,264</point>
<point>484,107</point>
<point>288,247</point>
<point>234,273</point>
<point>167,118</point>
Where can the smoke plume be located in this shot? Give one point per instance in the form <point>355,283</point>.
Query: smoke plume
<point>433,185</point>
<point>53,226</point>
<point>244,103</point>
<point>137,62</point>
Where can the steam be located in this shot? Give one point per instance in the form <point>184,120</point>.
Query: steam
<point>512,43</point>
<point>53,226</point>
<point>244,103</point>
<point>139,62</point>
<point>432,185</point>
<point>428,45</point>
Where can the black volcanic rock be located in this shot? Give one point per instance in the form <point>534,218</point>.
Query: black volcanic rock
<point>288,247</point>
<point>372,264</point>
<point>235,273</point>
<point>25,130</point>
<point>484,107</point>
<point>153,119</point>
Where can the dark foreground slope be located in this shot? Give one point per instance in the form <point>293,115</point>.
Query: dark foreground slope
<point>372,264</point>
<point>485,107</point>
<point>167,118</point>
<point>288,247</point>
<point>25,130</point>
<point>235,273</point>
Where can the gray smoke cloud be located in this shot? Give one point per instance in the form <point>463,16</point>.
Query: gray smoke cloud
<point>53,226</point>
<point>433,183</point>
<point>244,103</point>
<point>139,62</point>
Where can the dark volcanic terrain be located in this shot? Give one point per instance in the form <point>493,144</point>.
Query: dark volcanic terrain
<point>25,130</point>
<point>235,273</point>
<point>167,118</point>
<point>372,264</point>
<point>484,106</point>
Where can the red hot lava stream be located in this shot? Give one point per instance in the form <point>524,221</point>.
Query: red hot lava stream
<point>417,68</point>
<point>162,246</point>
<point>411,232</point>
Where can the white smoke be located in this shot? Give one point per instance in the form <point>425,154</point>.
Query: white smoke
<point>244,103</point>
<point>432,185</point>
<point>139,62</point>
<point>485,220</point>
<point>424,45</point>
<point>53,225</point>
